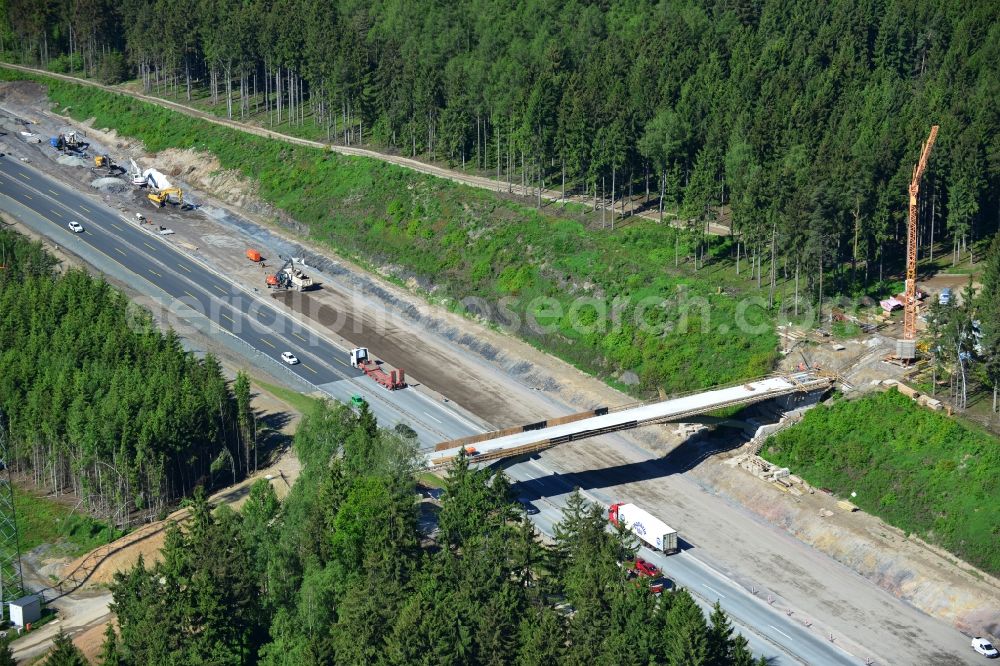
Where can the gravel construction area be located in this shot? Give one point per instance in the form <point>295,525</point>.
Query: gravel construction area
<point>505,381</point>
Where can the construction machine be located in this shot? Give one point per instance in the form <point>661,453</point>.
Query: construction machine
<point>906,349</point>
<point>68,141</point>
<point>289,277</point>
<point>105,162</point>
<point>135,173</point>
<point>172,195</point>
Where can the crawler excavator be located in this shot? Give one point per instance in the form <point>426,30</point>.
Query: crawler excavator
<point>105,162</point>
<point>172,195</point>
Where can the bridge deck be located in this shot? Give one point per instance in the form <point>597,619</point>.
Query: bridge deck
<point>659,412</point>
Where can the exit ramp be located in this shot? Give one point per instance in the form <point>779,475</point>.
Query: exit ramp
<point>539,436</point>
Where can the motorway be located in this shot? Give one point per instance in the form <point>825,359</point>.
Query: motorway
<point>783,639</point>
<point>194,289</point>
<point>47,207</point>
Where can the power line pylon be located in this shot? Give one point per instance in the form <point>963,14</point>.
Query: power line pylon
<point>11,582</point>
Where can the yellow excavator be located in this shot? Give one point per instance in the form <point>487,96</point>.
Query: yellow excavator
<point>105,162</point>
<point>160,197</point>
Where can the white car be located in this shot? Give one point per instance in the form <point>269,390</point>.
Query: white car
<point>75,227</point>
<point>983,647</point>
<point>289,358</point>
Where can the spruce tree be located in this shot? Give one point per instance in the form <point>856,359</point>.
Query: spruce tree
<point>720,634</point>
<point>64,653</point>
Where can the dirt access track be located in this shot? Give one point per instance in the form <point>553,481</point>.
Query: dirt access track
<point>505,381</point>
<point>635,207</point>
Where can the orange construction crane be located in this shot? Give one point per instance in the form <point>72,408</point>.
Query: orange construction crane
<point>910,313</point>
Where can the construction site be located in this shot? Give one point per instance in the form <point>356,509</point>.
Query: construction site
<point>706,476</point>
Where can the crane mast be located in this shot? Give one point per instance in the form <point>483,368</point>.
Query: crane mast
<point>910,313</point>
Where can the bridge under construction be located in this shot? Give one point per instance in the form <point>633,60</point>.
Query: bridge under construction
<point>545,434</point>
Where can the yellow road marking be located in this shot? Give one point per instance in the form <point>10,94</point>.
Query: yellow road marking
<point>299,336</point>
<point>119,251</point>
<point>268,343</point>
<point>190,294</point>
<point>149,246</point>
<point>184,267</point>
<point>306,365</point>
<point>154,272</point>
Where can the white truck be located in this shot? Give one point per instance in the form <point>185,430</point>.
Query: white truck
<point>650,529</point>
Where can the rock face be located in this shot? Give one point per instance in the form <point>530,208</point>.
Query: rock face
<point>629,378</point>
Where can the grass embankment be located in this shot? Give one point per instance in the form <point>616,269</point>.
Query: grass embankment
<point>919,470</point>
<point>469,243</point>
<point>43,521</point>
<point>303,404</point>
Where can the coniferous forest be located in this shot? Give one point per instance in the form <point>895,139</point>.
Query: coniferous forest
<point>803,118</point>
<point>341,573</point>
<point>96,401</point>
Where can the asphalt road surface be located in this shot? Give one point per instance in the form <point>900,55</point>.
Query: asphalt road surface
<point>197,291</point>
<point>783,639</point>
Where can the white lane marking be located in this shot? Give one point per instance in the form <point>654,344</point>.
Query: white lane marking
<point>432,418</point>
<point>450,412</point>
<point>780,631</point>
<point>721,596</point>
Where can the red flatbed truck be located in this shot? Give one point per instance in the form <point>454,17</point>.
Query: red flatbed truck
<point>392,380</point>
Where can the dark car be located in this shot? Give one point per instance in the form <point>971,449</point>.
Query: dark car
<point>527,506</point>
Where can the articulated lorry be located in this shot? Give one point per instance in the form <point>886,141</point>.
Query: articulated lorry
<point>651,530</point>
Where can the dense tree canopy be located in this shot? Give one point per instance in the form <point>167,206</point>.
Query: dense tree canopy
<point>341,572</point>
<point>96,399</point>
<point>793,113</point>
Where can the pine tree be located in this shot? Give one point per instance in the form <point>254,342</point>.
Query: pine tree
<point>988,315</point>
<point>720,634</point>
<point>64,652</point>
<point>7,655</point>
<point>110,652</point>
<point>687,632</point>
<point>740,652</point>
<point>542,638</point>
